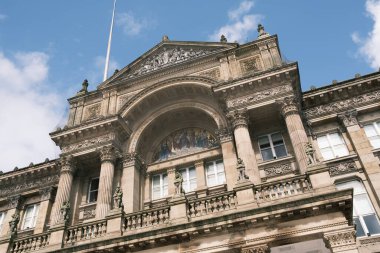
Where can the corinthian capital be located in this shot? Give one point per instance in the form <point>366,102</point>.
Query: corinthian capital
<point>288,106</point>
<point>68,164</point>
<point>108,154</point>
<point>238,118</point>
<point>348,118</point>
<point>15,201</point>
<point>223,134</point>
<point>341,239</point>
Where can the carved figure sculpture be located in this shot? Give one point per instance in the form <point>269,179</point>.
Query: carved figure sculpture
<point>13,224</point>
<point>118,197</point>
<point>178,181</point>
<point>310,152</point>
<point>223,38</point>
<point>241,170</point>
<point>84,86</point>
<point>65,210</point>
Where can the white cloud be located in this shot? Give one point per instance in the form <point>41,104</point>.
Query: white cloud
<point>130,24</point>
<point>369,46</point>
<point>29,110</point>
<point>241,23</point>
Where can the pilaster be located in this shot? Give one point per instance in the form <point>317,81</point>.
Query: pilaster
<point>200,172</point>
<point>46,197</point>
<point>14,205</point>
<point>130,182</point>
<point>229,155</point>
<point>171,177</point>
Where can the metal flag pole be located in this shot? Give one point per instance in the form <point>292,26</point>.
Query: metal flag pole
<point>109,43</point>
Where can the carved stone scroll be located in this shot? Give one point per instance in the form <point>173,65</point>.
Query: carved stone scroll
<point>342,168</point>
<point>278,170</point>
<point>348,118</point>
<point>94,142</point>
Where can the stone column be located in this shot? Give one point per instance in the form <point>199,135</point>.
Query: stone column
<point>262,248</point>
<point>296,130</point>
<point>64,188</point>
<point>47,195</point>
<point>107,170</point>
<point>130,182</point>
<point>341,240</point>
<point>229,156</point>
<point>363,148</point>
<point>147,190</point>
<point>14,205</point>
<point>244,144</point>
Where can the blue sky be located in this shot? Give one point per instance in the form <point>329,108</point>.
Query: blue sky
<point>47,48</point>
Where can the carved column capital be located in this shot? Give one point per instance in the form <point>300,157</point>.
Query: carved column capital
<point>47,193</point>
<point>345,239</point>
<point>107,154</point>
<point>14,201</point>
<point>129,159</point>
<point>348,118</point>
<point>224,134</point>
<point>68,164</point>
<point>171,170</point>
<point>263,248</point>
<point>238,118</point>
<point>288,106</point>
<point>199,163</point>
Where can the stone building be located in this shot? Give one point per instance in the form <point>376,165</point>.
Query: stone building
<point>205,147</point>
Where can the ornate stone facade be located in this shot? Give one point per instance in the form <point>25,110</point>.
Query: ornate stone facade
<point>202,147</point>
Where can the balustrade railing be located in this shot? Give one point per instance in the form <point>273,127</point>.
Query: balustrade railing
<point>146,218</point>
<point>211,204</point>
<point>30,243</point>
<point>85,231</point>
<point>281,189</point>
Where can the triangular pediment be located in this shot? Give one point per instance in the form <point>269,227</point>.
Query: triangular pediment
<point>167,54</point>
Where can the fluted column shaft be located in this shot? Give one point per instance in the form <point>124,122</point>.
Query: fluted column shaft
<point>107,170</point>
<point>296,130</point>
<point>64,187</point>
<point>244,145</point>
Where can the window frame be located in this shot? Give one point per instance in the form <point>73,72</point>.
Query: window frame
<point>376,125</point>
<point>333,150</point>
<point>34,216</point>
<point>164,188</point>
<point>2,218</point>
<point>356,210</point>
<point>215,172</point>
<point>269,136</point>
<point>187,183</point>
<point>89,191</point>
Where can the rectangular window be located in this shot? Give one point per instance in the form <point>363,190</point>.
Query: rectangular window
<point>2,217</point>
<point>272,146</point>
<point>373,133</point>
<point>367,222</point>
<point>332,146</point>
<point>189,179</point>
<point>93,190</point>
<point>30,216</point>
<point>159,186</point>
<point>215,173</point>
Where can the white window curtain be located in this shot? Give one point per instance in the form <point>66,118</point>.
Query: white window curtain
<point>332,146</point>
<point>365,218</point>
<point>215,173</point>
<point>189,179</point>
<point>30,216</point>
<point>373,133</point>
<point>159,186</point>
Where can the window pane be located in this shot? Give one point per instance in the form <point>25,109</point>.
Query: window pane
<point>372,224</point>
<point>36,209</point>
<point>210,169</point>
<point>93,197</point>
<point>165,179</point>
<point>192,173</point>
<point>94,185</point>
<point>280,151</point>
<point>322,142</point>
<point>267,154</point>
<point>336,139</point>
<point>359,228</point>
<point>156,180</point>
<point>327,153</point>
<point>340,150</point>
<point>370,130</point>
<point>362,204</point>
<point>277,139</point>
<point>219,166</point>
<point>264,142</point>
<point>211,180</point>
<point>221,178</point>
<point>375,141</point>
<point>193,184</point>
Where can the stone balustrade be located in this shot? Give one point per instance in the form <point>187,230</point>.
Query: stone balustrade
<point>30,243</point>
<point>211,204</point>
<point>282,189</point>
<point>85,231</point>
<point>146,218</point>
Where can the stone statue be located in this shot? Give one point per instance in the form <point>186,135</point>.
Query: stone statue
<point>261,30</point>
<point>241,170</point>
<point>65,210</point>
<point>13,224</point>
<point>310,152</point>
<point>223,38</point>
<point>118,197</point>
<point>178,181</point>
<point>84,87</point>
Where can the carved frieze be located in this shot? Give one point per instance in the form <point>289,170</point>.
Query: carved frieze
<point>212,73</point>
<point>342,168</point>
<point>278,170</point>
<point>89,213</point>
<point>169,57</point>
<point>340,239</point>
<point>93,142</point>
<point>14,201</point>
<point>92,112</point>
<point>251,64</point>
<point>343,105</point>
<point>260,96</point>
<point>256,249</point>
<point>29,183</point>
<point>348,118</point>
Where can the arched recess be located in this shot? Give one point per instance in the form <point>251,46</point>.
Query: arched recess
<point>168,119</point>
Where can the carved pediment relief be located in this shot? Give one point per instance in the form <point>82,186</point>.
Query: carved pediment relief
<point>92,111</point>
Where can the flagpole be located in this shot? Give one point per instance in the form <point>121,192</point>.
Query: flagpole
<point>109,43</point>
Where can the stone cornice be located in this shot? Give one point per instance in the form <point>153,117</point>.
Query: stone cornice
<point>107,124</point>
